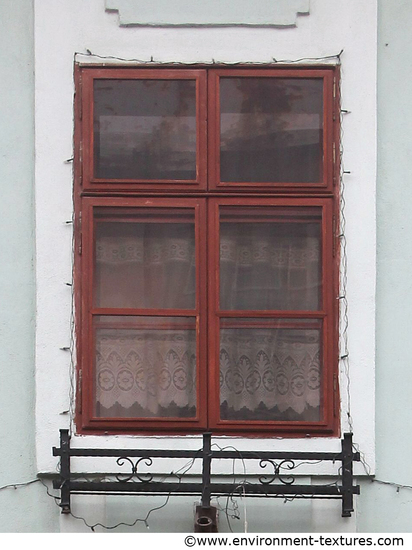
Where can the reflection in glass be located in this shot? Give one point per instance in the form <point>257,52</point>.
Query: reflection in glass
<point>145,263</point>
<point>270,373</point>
<point>269,265</point>
<point>271,130</point>
<point>145,367</point>
<point>145,129</point>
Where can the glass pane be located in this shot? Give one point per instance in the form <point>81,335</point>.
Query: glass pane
<point>270,370</point>
<point>145,258</point>
<point>271,130</point>
<point>145,367</point>
<point>145,129</point>
<point>270,259</point>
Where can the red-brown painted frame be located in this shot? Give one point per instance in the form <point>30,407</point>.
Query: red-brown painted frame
<point>89,312</point>
<point>215,183</point>
<point>89,192</point>
<point>90,182</point>
<point>325,315</point>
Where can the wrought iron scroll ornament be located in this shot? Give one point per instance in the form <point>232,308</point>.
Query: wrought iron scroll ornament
<point>278,475</point>
<point>144,478</point>
<point>277,484</point>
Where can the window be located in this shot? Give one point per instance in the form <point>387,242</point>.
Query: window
<point>206,268</point>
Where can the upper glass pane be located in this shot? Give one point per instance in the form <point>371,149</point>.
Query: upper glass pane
<point>271,130</point>
<point>270,258</point>
<point>145,129</point>
<point>145,258</point>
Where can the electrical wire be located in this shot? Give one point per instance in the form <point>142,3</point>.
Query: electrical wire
<point>72,338</point>
<point>229,498</point>
<point>344,353</point>
<point>18,485</point>
<point>302,59</point>
<point>151,61</point>
<point>144,520</point>
<point>391,483</point>
<point>231,509</point>
<point>241,487</point>
<point>180,473</point>
<point>344,349</point>
<point>344,356</point>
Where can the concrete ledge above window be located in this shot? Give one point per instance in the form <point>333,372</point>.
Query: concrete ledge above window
<point>279,13</point>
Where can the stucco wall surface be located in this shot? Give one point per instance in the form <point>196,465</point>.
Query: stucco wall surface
<point>208,12</point>
<point>380,507</point>
<point>64,27</point>
<point>385,507</point>
<point>27,508</point>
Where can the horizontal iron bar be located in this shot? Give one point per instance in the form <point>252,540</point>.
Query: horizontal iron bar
<point>278,455</point>
<point>156,453</point>
<point>215,488</point>
<point>196,494</point>
<point>249,455</point>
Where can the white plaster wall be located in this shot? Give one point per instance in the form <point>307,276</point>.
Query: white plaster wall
<point>388,507</point>
<point>216,12</point>
<point>63,27</point>
<point>25,508</point>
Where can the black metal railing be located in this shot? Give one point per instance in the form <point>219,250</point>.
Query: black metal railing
<point>280,483</point>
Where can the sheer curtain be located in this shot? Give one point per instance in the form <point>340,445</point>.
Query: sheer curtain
<point>271,372</point>
<point>145,365</point>
<point>145,265</point>
<point>146,373</point>
<point>270,266</point>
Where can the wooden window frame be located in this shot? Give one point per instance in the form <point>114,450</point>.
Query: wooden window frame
<point>89,311</point>
<point>326,183</point>
<point>205,195</point>
<point>326,315</point>
<point>94,184</point>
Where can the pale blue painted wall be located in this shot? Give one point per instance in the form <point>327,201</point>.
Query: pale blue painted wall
<point>28,508</point>
<point>381,507</point>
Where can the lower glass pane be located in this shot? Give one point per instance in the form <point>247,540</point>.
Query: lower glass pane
<point>145,367</point>
<point>269,372</point>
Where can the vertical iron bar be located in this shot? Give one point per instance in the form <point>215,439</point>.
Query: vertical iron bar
<point>206,469</point>
<point>347,475</point>
<point>65,471</point>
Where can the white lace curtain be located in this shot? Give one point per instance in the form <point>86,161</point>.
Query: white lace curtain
<point>270,374</point>
<point>149,371</point>
<point>146,266</point>
<point>146,373</point>
<point>270,266</point>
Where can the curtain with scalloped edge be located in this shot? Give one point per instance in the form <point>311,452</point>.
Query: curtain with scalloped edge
<point>146,373</point>
<point>270,374</point>
<point>145,365</point>
<point>149,370</point>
